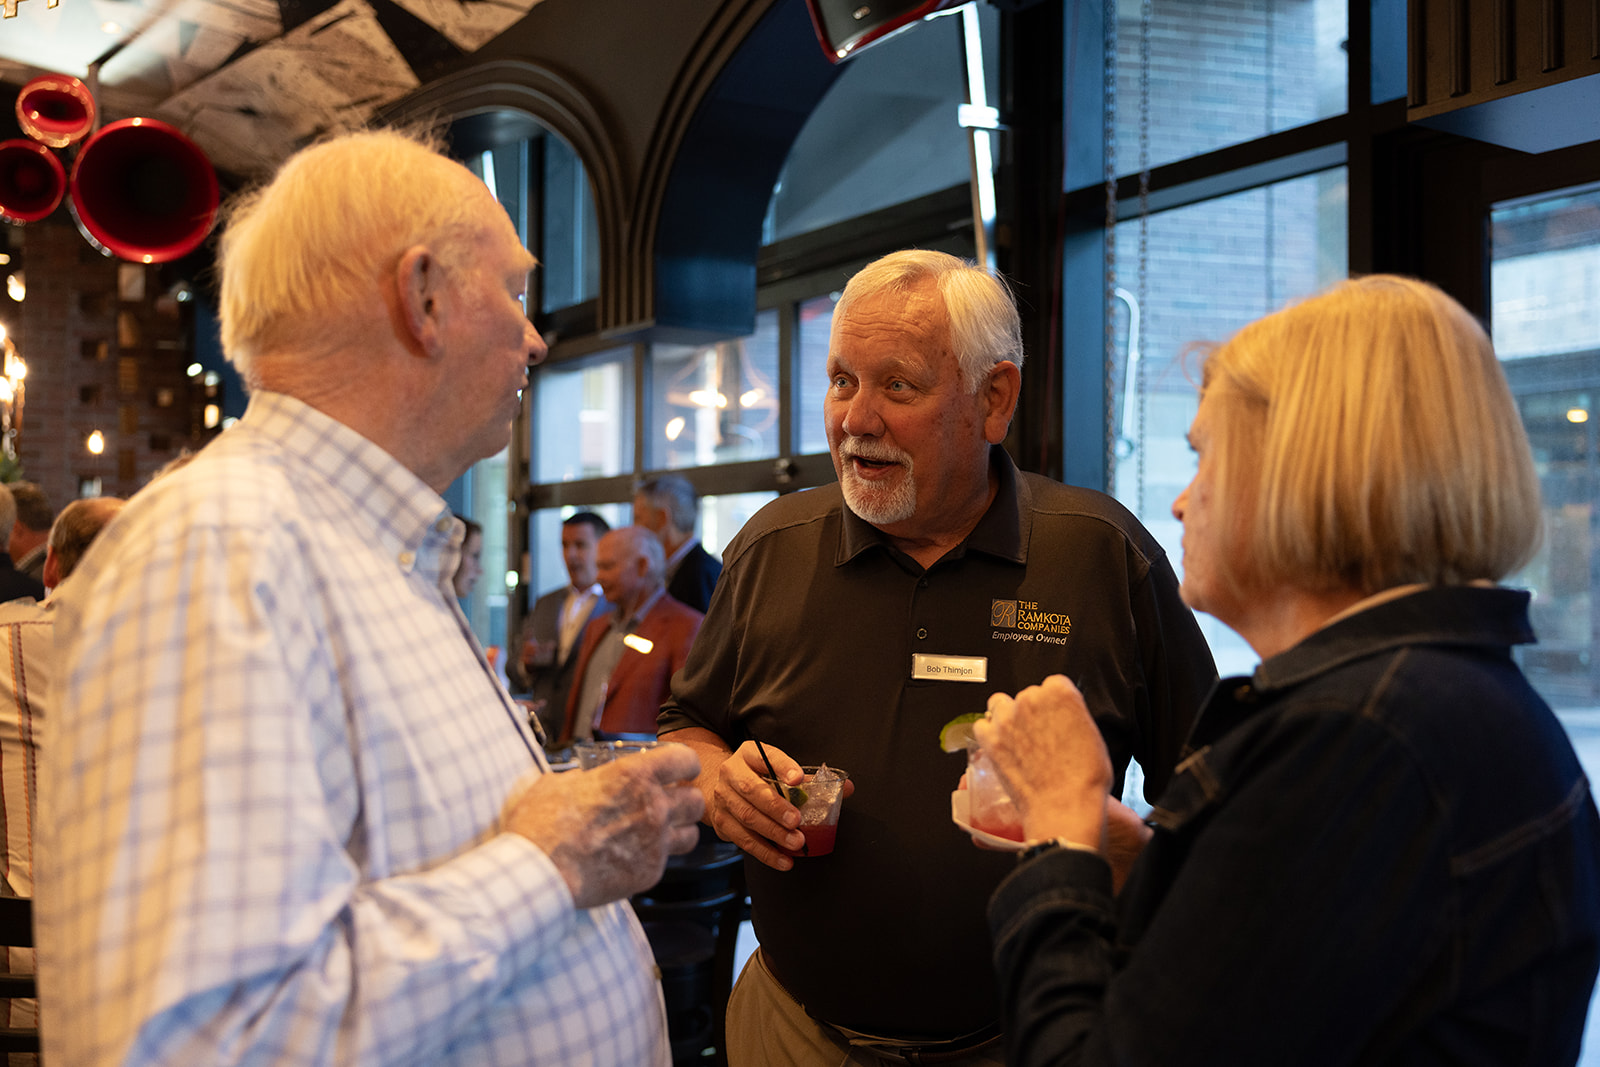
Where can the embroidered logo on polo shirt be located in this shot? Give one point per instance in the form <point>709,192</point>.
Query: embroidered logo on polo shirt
<point>1025,620</point>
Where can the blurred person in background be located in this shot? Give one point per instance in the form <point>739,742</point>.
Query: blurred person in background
<point>31,531</point>
<point>628,658</point>
<point>14,585</point>
<point>27,704</point>
<point>548,639</point>
<point>669,508</point>
<point>470,569</point>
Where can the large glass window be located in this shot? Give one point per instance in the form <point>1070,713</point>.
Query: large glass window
<point>1545,314</point>
<point>1209,269</point>
<point>1546,320</point>
<point>811,372</point>
<point>542,185</point>
<point>721,517</point>
<point>571,232</point>
<point>1221,74</point>
<point>583,418</point>
<point>715,403</point>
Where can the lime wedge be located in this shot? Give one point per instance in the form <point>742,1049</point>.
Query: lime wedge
<point>797,796</point>
<point>957,733</point>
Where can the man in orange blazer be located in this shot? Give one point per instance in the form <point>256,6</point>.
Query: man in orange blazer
<point>627,660</point>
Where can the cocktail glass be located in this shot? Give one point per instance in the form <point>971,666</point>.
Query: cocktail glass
<point>990,808</point>
<point>818,796</point>
<point>593,753</point>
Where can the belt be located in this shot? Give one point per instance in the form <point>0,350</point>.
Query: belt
<point>899,1050</point>
<point>917,1052</point>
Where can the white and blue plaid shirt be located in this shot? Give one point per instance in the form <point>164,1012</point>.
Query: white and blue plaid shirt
<point>272,797</point>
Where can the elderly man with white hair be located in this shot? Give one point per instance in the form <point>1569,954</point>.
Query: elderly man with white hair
<point>297,818</point>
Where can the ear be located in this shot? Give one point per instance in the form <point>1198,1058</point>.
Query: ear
<point>999,395</point>
<point>419,285</point>
<point>52,570</point>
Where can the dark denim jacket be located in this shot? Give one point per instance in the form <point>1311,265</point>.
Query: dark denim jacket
<point>1381,850</point>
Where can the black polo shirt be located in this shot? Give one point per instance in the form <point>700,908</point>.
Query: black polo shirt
<point>809,645</point>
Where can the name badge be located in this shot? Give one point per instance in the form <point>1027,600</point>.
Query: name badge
<point>950,668</point>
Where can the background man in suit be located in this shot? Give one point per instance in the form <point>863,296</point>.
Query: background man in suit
<point>550,633</point>
<point>30,534</point>
<point>14,585</point>
<point>668,507</point>
<point>627,661</point>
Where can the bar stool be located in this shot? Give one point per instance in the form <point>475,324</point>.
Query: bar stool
<point>692,917</point>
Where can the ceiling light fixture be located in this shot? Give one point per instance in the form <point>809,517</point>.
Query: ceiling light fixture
<point>11,7</point>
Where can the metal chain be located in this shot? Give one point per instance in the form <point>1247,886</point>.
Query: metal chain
<point>1271,125</point>
<point>1109,148</point>
<point>1146,18</point>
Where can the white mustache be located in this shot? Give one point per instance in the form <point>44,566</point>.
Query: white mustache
<point>856,448</point>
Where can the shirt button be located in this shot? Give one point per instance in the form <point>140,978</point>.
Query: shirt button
<point>922,635</point>
<point>443,525</point>
<point>407,558</point>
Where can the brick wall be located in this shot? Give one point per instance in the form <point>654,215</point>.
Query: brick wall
<point>107,348</point>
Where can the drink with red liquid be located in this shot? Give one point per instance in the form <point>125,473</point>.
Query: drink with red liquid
<point>819,839</point>
<point>818,796</point>
<point>990,808</point>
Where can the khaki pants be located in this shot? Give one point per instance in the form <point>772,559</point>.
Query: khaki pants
<point>767,1028</point>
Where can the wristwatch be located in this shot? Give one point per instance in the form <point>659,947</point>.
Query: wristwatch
<point>1039,848</point>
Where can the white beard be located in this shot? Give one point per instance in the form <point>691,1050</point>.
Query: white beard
<point>872,503</point>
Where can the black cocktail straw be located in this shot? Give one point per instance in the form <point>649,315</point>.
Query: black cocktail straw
<point>776,784</point>
<point>805,849</point>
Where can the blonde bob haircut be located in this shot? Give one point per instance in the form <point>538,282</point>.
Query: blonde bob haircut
<point>985,329</point>
<point>305,251</point>
<point>1370,437</point>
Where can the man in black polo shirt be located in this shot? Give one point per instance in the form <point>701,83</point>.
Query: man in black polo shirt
<point>853,621</point>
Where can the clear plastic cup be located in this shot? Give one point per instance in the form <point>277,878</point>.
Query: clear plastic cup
<point>594,753</point>
<point>990,808</point>
<point>819,809</point>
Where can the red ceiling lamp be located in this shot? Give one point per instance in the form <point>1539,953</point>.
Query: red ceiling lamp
<point>844,27</point>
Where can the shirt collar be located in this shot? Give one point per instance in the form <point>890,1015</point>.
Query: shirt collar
<point>1002,531</point>
<point>1438,615</point>
<point>410,521</point>
<point>683,550</point>
<point>628,624</point>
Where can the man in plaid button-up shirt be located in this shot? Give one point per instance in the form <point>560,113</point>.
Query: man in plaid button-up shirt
<point>293,818</point>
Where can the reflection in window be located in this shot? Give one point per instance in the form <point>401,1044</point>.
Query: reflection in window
<point>1221,74</point>
<point>886,132</point>
<point>571,235</point>
<point>583,418</point>
<point>1544,277</point>
<point>1212,267</point>
<point>811,375</point>
<point>721,517</point>
<point>715,403</point>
